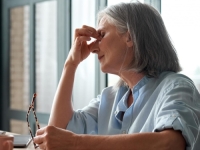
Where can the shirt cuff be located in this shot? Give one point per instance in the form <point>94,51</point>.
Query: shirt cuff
<point>176,123</point>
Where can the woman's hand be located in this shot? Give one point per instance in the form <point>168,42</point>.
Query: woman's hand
<point>52,138</point>
<point>80,49</point>
<point>8,145</point>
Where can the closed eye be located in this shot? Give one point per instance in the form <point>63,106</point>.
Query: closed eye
<point>102,34</point>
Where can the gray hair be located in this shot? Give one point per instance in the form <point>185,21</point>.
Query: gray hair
<point>153,50</point>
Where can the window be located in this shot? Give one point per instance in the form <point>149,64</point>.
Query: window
<point>182,20</point>
<point>84,84</point>
<point>30,60</point>
<point>46,54</point>
<point>19,58</point>
<point>37,38</point>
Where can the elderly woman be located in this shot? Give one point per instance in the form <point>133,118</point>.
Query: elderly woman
<point>151,107</point>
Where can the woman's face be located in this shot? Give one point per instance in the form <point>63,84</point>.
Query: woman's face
<point>111,48</point>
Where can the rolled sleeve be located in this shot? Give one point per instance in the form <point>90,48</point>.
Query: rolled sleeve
<point>85,121</point>
<point>177,123</point>
<point>82,123</point>
<point>180,110</point>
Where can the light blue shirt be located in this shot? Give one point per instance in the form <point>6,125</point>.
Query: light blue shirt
<point>169,101</point>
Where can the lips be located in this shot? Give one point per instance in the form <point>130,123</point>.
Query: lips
<point>100,57</point>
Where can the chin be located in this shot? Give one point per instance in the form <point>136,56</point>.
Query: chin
<point>104,70</point>
<point>107,70</point>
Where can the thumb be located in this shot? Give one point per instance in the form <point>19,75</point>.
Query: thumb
<point>41,131</point>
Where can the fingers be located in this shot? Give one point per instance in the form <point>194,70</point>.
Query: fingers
<point>38,139</point>
<point>39,135</point>
<point>80,49</point>
<point>86,31</point>
<point>89,34</point>
<point>80,39</point>
<point>8,145</point>
<point>89,28</point>
<point>42,146</point>
<point>41,131</point>
<point>82,32</point>
<point>92,30</point>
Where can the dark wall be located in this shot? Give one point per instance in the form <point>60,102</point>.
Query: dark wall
<point>1,12</point>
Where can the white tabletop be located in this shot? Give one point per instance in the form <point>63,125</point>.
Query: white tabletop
<point>30,146</point>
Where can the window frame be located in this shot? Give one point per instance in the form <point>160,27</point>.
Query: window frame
<point>64,34</point>
<point>155,3</point>
<point>64,43</point>
<point>1,68</point>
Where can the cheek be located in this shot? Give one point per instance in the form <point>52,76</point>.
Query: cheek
<point>112,47</point>
<point>103,45</point>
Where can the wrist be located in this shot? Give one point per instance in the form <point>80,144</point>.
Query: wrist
<point>70,64</point>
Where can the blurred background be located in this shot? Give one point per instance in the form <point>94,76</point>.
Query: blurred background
<point>35,39</point>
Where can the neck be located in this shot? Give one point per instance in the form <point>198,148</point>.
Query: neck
<point>131,77</point>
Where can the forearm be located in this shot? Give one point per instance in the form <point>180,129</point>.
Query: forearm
<point>62,109</point>
<point>141,141</point>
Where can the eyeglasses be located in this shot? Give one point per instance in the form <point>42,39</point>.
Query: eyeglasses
<point>36,120</point>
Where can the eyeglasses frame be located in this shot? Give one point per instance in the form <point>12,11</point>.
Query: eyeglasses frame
<point>31,107</point>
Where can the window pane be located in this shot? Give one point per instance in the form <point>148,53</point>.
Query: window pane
<point>46,54</point>
<point>112,2</point>
<point>19,127</point>
<point>19,58</point>
<point>112,79</point>
<point>182,20</point>
<point>84,83</point>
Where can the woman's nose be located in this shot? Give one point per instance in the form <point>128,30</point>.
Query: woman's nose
<point>94,46</point>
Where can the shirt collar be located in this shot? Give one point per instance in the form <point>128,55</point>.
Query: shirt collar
<point>138,86</point>
<point>122,105</point>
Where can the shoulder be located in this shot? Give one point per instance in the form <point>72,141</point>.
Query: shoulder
<point>176,77</point>
<point>170,80</point>
<point>175,87</point>
<point>171,86</point>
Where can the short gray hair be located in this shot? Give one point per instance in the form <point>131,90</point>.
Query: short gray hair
<point>153,50</point>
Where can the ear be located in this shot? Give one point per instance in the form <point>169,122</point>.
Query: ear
<point>128,39</point>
